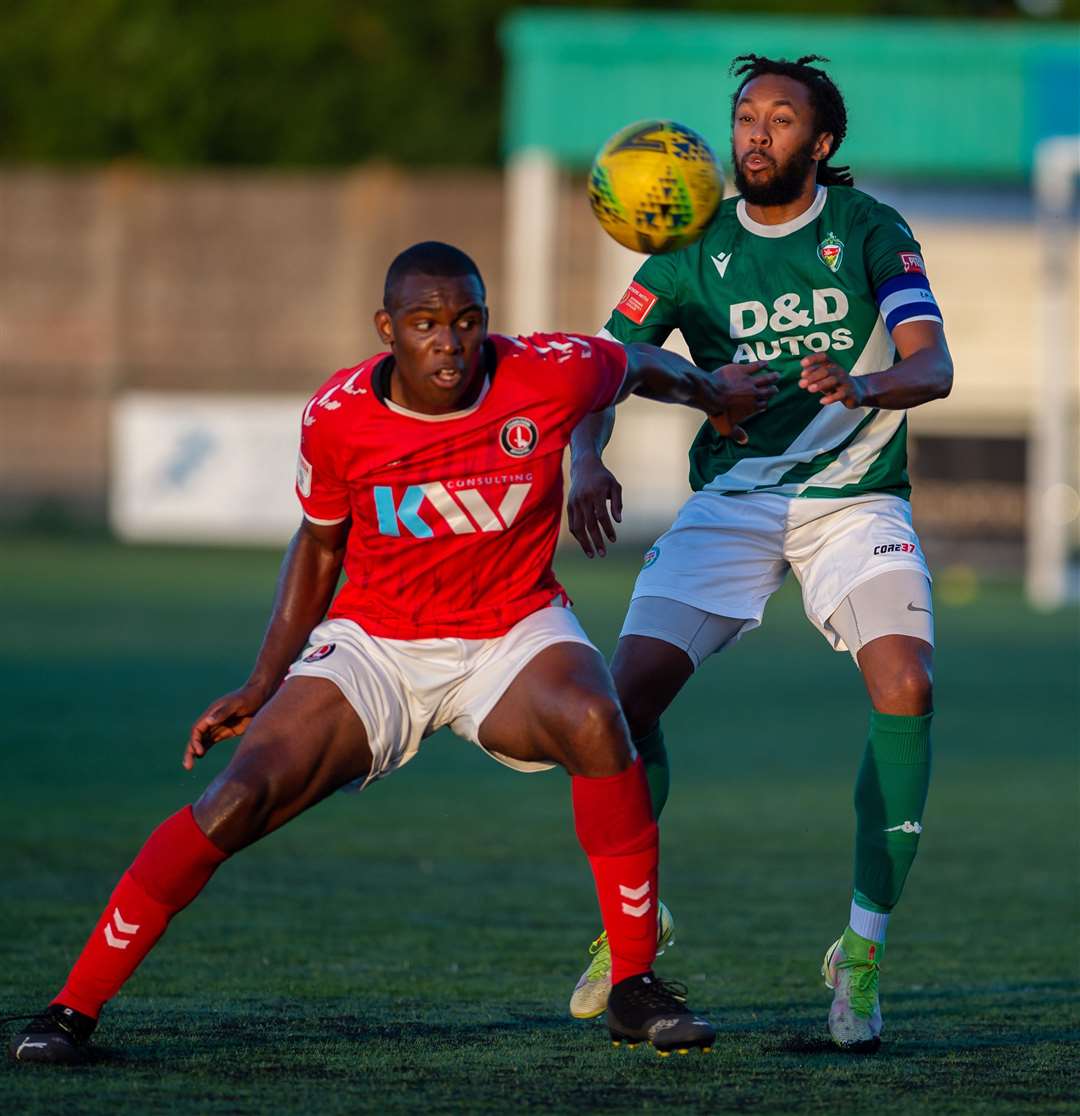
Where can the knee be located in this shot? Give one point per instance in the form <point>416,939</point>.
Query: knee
<point>641,710</point>
<point>597,740</point>
<point>907,691</point>
<point>235,808</point>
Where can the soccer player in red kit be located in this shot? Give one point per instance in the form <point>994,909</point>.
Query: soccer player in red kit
<point>433,473</point>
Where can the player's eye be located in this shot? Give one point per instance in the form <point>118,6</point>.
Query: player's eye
<point>424,324</point>
<point>467,323</point>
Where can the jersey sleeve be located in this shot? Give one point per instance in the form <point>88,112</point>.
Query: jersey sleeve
<point>649,310</point>
<point>897,272</point>
<point>322,495</point>
<point>586,372</point>
<point>610,360</point>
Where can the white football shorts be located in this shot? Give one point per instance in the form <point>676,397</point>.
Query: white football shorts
<point>727,555</point>
<point>404,689</point>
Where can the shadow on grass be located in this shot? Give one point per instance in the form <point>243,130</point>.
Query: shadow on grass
<point>928,1023</point>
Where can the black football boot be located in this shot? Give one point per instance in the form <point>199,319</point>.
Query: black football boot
<point>645,1008</point>
<point>58,1035</point>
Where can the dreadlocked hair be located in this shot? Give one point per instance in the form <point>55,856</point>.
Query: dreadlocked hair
<point>830,112</point>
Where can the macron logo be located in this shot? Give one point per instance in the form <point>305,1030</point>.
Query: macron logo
<point>721,260</point>
<point>906,827</point>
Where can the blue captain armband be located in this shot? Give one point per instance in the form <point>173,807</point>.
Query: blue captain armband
<point>907,298</point>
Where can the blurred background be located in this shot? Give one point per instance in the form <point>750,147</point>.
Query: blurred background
<point>198,202</point>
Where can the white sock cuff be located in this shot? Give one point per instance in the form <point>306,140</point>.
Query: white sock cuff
<point>869,924</point>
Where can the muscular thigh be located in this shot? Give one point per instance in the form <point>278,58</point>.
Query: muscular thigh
<point>662,643</point>
<point>304,744</point>
<point>723,556</point>
<point>896,603</point>
<point>838,547</point>
<point>561,708</point>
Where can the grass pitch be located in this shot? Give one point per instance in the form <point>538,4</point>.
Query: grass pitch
<point>413,948</point>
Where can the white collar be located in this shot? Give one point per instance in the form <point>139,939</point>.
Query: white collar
<point>399,410</point>
<point>788,227</point>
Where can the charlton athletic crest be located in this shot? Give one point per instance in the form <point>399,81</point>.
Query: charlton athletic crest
<point>518,436</point>
<point>320,653</point>
<point>831,251</point>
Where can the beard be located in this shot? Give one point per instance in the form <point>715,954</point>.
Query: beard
<point>786,182</point>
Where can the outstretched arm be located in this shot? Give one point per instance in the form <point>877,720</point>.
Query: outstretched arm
<point>728,395</point>
<point>309,575</point>
<point>665,376</point>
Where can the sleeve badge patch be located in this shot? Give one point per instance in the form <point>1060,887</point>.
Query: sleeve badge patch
<point>912,261</point>
<point>636,303</point>
<point>303,475</point>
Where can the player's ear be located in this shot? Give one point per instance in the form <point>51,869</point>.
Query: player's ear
<point>823,146</point>
<point>384,325</point>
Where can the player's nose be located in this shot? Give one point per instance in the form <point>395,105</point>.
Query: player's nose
<point>447,340</point>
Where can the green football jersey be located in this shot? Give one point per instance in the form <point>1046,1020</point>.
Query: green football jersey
<point>837,279</point>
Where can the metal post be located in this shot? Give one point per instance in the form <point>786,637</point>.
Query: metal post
<point>1053,501</point>
<point>531,224</point>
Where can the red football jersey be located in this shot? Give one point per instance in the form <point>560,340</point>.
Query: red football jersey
<point>454,517</point>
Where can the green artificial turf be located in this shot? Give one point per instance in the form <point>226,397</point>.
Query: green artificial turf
<point>413,948</point>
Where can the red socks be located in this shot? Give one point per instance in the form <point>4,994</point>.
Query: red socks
<point>171,869</point>
<point>614,821</point>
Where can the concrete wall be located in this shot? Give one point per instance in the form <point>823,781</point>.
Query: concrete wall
<point>124,279</point>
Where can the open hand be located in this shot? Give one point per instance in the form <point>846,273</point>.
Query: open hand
<point>747,389</point>
<point>227,717</point>
<point>593,491</point>
<point>821,375</point>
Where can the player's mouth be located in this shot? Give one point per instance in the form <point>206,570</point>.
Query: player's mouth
<point>756,161</point>
<point>449,376</point>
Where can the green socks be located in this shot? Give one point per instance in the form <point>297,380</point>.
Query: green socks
<point>654,755</point>
<point>890,794</point>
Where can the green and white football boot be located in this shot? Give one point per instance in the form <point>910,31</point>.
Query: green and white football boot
<point>851,968</point>
<point>590,997</point>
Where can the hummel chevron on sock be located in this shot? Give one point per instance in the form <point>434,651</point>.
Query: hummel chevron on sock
<point>170,870</point>
<point>615,826</point>
<point>657,769</point>
<point>890,794</point>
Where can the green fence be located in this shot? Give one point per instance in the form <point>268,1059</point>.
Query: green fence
<point>943,99</point>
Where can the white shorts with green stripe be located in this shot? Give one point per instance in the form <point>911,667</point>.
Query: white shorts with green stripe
<point>727,554</point>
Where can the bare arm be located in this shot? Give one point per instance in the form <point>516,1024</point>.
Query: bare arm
<point>306,583</point>
<point>660,374</point>
<point>924,372</point>
<point>728,395</point>
<point>593,486</point>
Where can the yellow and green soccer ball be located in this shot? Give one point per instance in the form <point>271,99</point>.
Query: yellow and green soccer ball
<point>655,185</point>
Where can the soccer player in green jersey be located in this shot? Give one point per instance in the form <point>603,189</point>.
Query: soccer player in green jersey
<point>828,286</point>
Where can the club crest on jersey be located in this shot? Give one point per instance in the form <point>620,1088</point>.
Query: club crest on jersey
<point>518,436</point>
<point>831,251</point>
<point>320,653</point>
